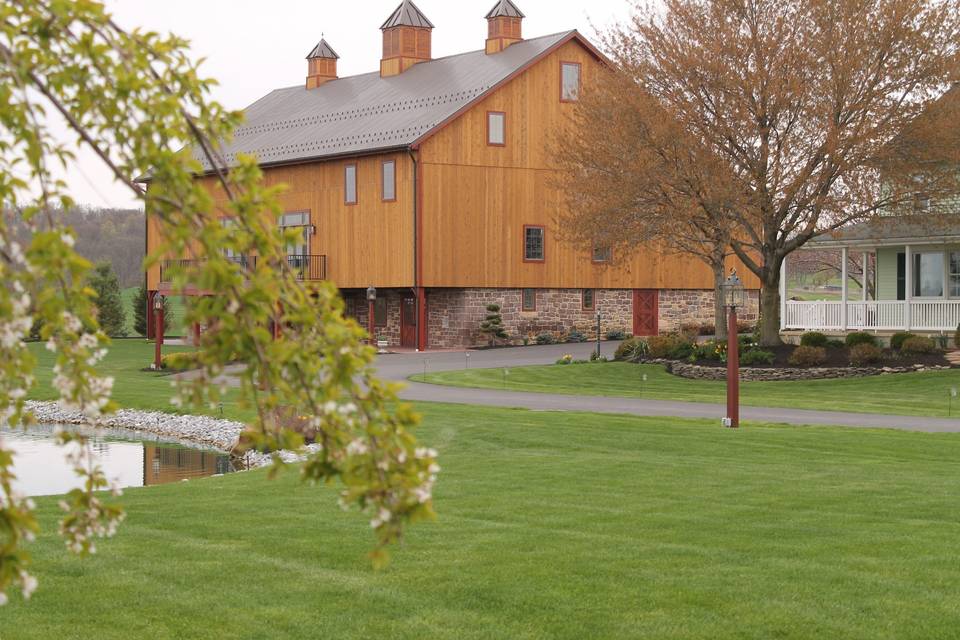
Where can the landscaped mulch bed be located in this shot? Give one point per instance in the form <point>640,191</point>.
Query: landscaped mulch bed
<point>840,357</point>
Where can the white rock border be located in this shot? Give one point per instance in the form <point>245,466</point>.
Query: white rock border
<point>213,433</point>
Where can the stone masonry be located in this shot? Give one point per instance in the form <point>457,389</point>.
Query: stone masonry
<point>454,315</point>
<point>695,306</point>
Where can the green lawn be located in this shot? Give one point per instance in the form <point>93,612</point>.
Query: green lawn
<point>920,394</point>
<point>551,526</point>
<point>133,388</point>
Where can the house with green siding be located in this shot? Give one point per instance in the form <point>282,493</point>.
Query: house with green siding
<point>910,265</point>
<point>912,282</point>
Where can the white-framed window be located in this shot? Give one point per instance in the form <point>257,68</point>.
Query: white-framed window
<point>570,81</point>
<point>928,274</point>
<point>496,128</point>
<point>297,220</point>
<point>350,184</point>
<point>389,180</point>
<point>954,274</point>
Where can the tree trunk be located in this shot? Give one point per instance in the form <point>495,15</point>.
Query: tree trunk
<point>770,312</point>
<point>719,309</point>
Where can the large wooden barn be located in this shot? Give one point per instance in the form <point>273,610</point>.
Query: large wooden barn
<point>432,181</point>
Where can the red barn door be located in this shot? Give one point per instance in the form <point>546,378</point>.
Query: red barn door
<point>646,312</point>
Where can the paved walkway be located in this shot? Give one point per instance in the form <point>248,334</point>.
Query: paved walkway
<point>401,366</point>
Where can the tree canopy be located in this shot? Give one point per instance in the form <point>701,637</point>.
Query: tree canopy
<point>139,102</point>
<point>810,109</point>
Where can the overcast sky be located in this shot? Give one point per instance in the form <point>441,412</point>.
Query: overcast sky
<point>255,46</point>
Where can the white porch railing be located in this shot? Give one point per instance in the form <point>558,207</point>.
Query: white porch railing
<point>882,315</point>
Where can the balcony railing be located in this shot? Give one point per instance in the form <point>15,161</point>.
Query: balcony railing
<point>878,315</point>
<point>305,268</point>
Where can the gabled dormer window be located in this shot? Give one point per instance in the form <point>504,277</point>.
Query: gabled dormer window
<point>496,128</point>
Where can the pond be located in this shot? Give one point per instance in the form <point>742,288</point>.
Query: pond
<point>133,458</point>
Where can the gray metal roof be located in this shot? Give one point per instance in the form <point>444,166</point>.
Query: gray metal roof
<point>367,113</point>
<point>505,8</point>
<point>407,15</point>
<point>894,230</point>
<point>322,50</point>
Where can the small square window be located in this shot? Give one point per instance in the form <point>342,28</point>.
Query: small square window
<point>588,300</point>
<point>533,250</point>
<point>529,300</point>
<point>602,254</point>
<point>389,180</point>
<point>570,78</point>
<point>350,184</point>
<point>496,128</point>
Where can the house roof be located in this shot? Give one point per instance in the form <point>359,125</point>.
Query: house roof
<point>322,50</point>
<point>407,15</point>
<point>894,230</point>
<point>505,8</point>
<point>367,113</point>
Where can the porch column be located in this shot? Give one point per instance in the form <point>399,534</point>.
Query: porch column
<point>783,294</point>
<point>865,279</point>
<point>907,289</point>
<point>844,277</point>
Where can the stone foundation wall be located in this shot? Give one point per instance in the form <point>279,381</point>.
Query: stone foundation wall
<point>694,306</point>
<point>357,308</point>
<point>454,315</point>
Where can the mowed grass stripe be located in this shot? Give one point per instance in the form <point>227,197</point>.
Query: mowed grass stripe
<point>551,526</point>
<point>909,394</point>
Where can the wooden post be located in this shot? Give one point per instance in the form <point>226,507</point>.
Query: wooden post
<point>733,370</point>
<point>421,319</point>
<point>845,297</point>
<point>196,334</point>
<point>907,289</point>
<point>865,278</point>
<point>371,324</point>
<point>158,342</point>
<point>783,294</point>
<point>151,322</point>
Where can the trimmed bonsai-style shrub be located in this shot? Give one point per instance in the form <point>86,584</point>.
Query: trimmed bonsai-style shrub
<point>860,337</point>
<point>813,339</point>
<point>919,345</point>
<point>757,356</point>
<point>897,339</point>
<point>616,334</point>
<point>808,356</point>
<point>492,325</point>
<point>864,354</point>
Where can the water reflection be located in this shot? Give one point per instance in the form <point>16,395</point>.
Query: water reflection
<point>133,458</point>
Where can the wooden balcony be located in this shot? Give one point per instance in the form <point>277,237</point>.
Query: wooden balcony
<point>306,268</point>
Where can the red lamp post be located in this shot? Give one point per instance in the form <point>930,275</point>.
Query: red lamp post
<point>733,297</point>
<point>158,331</point>
<point>371,321</point>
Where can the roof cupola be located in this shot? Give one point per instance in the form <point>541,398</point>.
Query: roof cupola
<point>504,26</point>
<point>321,65</point>
<point>406,39</point>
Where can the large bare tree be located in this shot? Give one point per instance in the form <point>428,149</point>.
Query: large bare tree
<point>639,181</point>
<point>807,105</point>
